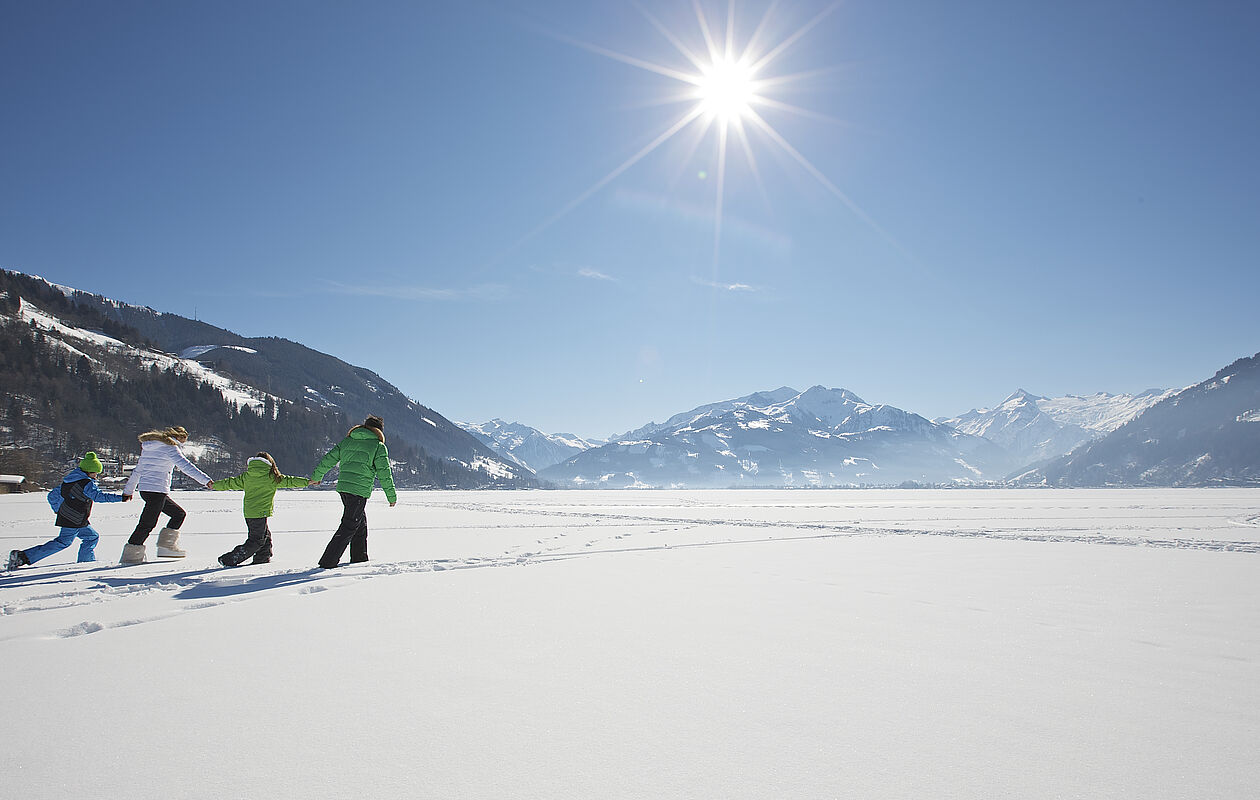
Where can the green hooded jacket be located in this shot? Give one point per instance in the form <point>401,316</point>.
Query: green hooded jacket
<point>259,487</point>
<point>363,458</point>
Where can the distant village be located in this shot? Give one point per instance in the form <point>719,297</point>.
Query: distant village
<point>114,476</point>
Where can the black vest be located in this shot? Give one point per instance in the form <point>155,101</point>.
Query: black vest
<point>76,506</point>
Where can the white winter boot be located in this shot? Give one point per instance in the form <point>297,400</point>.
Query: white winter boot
<point>132,554</point>
<point>168,544</point>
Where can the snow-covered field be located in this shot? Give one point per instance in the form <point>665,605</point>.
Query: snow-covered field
<point>725,644</point>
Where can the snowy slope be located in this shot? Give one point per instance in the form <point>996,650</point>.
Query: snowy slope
<point>1035,429</point>
<point>1102,412</point>
<point>529,447</point>
<point>92,344</point>
<point>574,645</point>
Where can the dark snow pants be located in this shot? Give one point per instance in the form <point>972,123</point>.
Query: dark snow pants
<point>353,531</point>
<point>156,503</point>
<point>257,544</point>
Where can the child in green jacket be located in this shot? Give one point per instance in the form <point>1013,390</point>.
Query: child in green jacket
<point>259,481</point>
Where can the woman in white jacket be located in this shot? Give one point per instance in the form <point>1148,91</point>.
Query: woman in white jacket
<point>159,456</point>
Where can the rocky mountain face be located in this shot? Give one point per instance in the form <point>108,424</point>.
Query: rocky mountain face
<point>526,446</point>
<point>1208,434</point>
<point>819,437</point>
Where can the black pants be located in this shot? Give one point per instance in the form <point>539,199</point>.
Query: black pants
<point>351,531</point>
<point>156,503</point>
<point>257,544</point>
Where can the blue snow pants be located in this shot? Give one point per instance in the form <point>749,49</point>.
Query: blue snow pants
<point>87,547</point>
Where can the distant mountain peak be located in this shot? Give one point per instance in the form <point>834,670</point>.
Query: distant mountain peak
<point>1021,396</point>
<point>843,394</point>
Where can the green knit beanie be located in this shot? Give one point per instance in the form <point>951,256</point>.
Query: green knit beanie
<point>91,463</point>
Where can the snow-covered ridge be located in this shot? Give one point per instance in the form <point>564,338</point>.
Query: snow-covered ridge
<point>1034,428</point>
<point>232,391</point>
<point>495,469</point>
<point>49,323</point>
<point>1102,412</point>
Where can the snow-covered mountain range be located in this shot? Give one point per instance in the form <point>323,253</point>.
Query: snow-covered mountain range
<point>529,447</point>
<point>1034,429</point>
<point>1206,434</point>
<point>820,437</point>
<point>785,437</point>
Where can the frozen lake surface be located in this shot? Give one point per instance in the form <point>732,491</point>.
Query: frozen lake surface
<point>655,644</point>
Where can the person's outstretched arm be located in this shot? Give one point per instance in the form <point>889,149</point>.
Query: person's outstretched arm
<point>190,469</point>
<point>326,463</point>
<point>234,484</point>
<point>96,495</point>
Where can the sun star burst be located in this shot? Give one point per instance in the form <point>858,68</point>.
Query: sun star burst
<point>725,88</point>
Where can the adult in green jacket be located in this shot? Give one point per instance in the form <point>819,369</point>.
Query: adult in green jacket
<point>364,459</point>
<point>259,482</point>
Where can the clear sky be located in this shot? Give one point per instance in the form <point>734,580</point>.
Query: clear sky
<point>979,195</point>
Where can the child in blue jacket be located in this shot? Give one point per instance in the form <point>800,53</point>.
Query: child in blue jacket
<point>73,503</point>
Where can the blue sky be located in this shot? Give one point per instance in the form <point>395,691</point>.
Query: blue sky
<point>989,195</point>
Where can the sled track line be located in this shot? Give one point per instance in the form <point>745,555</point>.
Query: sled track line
<point>831,530</point>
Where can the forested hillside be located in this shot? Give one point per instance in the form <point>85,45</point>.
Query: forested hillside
<point>100,382</point>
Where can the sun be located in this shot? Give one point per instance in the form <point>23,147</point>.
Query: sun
<point>725,94</point>
<point>726,90</point>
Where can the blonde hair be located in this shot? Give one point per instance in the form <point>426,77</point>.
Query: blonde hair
<point>173,435</point>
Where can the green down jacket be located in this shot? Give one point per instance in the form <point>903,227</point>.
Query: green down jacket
<point>259,487</point>
<point>363,458</point>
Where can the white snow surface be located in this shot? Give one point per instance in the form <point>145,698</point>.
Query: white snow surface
<point>1102,412</point>
<point>48,322</point>
<point>200,350</point>
<point>649,644</point>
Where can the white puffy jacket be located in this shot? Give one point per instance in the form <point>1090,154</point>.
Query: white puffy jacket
<point>157,461</point>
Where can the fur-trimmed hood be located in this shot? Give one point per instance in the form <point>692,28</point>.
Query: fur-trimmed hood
<point>377,432</point>
<point>167,435</point>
